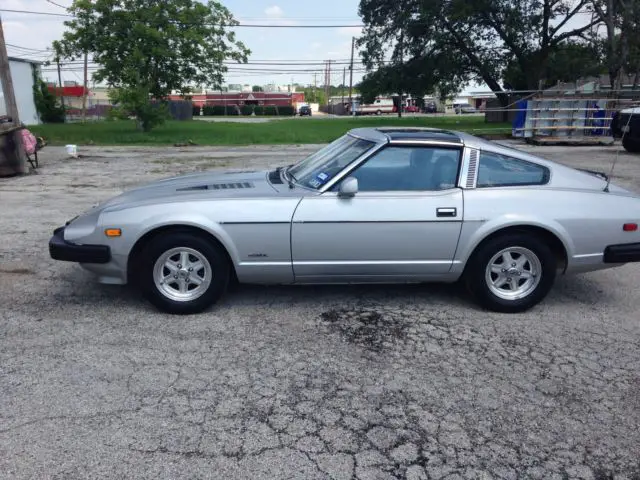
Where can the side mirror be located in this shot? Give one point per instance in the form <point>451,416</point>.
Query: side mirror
<point>348,187</point>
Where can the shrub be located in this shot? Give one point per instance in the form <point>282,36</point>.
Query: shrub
<point>137,101</point>
<point>217,110</point>
<point>271,110</point>
<point>47,105</point>
<point>247,109</point>
<point>286,111</point>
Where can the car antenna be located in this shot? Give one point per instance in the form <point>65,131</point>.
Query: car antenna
<point>615,160</point>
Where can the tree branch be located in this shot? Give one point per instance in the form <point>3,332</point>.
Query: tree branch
<point>568,17</point>
<point>491,82</point>
<point>496,24</point>
<point>573,33</point>
<point>546,15</point>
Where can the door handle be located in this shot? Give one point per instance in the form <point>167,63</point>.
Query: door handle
<point>446,212</point>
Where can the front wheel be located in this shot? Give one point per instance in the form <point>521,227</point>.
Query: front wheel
<point>511,273</point>
<point>182,272</point>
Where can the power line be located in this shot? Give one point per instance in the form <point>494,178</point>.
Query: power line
<point>56,4</point>
<point>236,64</point>
<point>33,12</point>
<point>52,14</point>
<point>24,48</point>
<point>40,57</point>
<point>243,25</point>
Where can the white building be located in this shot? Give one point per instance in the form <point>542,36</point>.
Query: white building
<point>22,71</point>
<point>275,88</point>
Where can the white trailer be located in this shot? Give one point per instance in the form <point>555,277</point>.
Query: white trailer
<point>378,107</point>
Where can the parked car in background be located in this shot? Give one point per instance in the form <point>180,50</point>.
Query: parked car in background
<point>412,109</point>
<point>376,205</point>
<point>626,125</point>
<point>461,108</point>
<point>305,110</point>
<point>430,107</point>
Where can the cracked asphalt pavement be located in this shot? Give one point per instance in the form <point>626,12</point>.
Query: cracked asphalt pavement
<point>362,382</point>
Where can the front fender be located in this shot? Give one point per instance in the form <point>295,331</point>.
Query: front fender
<point>133,228</point>
<point>474,232</point>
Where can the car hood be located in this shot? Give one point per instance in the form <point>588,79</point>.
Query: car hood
<point>201,186</point>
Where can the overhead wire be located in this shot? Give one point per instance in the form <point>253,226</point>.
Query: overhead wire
<point>279,21</point>
<point>56,4</point>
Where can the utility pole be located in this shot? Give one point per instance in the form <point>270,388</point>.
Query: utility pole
<point>353,44</point>
<point>60,83</point>
<point>325,79</point>
<point>315,75</point>
<point>16,163</point>
<point>329,83</point>
<point>344,75</point>
<point>84,90</point>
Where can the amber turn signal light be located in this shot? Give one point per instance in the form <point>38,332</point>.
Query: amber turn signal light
<point>113,232</point>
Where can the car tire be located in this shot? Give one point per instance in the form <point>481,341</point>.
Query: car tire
<point>378,112</point>
<point>198,270</point>
<point>511,273</point>
<point>631,145</point>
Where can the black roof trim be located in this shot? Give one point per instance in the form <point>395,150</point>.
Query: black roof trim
<point>418,133</point>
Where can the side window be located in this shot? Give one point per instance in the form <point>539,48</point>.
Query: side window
<point>501,171</point>
<point>409,169</point>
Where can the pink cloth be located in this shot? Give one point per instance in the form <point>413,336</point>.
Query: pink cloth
<point>29,141</point>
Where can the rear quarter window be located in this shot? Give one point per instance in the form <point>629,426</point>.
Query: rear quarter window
<point>497,170</point>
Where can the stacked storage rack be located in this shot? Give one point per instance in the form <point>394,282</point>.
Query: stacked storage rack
<point>566,118</point>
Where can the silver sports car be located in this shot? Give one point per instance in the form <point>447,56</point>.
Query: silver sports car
<point>376,205</point>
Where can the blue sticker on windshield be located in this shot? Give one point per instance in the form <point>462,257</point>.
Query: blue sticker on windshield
<point>322,176</point>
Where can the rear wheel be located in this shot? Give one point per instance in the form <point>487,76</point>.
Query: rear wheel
<point>183,273</point>
<point>511,273</point>
<point>631,145</point>
<point>378,112</point>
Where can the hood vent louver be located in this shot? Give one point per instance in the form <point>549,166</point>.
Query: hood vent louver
<point>217,186</point>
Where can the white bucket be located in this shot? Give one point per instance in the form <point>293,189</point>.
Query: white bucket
<point>72,150</point>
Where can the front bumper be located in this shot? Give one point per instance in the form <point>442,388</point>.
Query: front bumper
<point>60,249</point>
<point>625,253</point>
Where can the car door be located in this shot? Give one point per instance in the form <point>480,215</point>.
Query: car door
<point>402,224</point>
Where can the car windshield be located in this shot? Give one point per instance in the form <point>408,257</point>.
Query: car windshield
<point>322,166</point>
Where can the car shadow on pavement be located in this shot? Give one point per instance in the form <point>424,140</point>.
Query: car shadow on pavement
<point>85,290</point>
<point>312,295</point>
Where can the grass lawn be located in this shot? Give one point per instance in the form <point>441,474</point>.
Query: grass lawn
<point>292,131</point>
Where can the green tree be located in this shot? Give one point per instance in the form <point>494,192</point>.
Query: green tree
<point>314,95</point>
<point>416,76</point>
<point>621,19</point>
<point>567,63</point>
<point>47,105</point>
<point>145,48</point>
<point>468,41</point>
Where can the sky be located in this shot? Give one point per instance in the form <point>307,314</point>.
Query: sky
<point>29,36</point>
<point>294,45</point>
